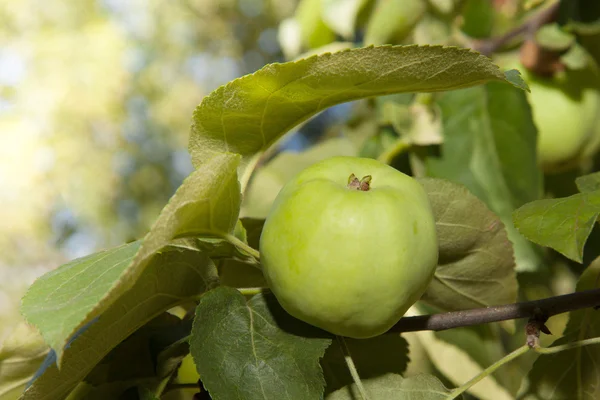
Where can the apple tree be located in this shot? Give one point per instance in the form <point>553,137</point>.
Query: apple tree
<point>432,244</point>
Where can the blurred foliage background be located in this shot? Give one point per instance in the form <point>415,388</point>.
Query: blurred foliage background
<point>96,98</point>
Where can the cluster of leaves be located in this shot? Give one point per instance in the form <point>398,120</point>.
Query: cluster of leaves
<point>120,322</point>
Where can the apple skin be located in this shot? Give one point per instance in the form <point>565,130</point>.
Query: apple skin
<point>565,109</point>
<point>565,113</point>
<point>348,261</point>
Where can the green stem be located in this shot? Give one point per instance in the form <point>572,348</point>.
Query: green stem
<point>162,386</point>
<point>241,245</point>
<point>486,372</point>
<point>352,368</point>
<point>399,147</point>
<point>252,291</point>
<point>568,346</point>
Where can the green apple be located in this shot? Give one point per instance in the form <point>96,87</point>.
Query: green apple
<point>564,109</point>
<point>565,113</point>
<point>349,256</point>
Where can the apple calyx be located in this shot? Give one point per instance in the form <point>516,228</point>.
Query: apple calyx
<point>362,185</point>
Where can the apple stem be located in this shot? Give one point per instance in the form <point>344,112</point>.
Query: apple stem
<point>362,185</point>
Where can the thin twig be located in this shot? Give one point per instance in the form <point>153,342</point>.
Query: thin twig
<point>567,346</point>
<point>455,319</point>
<point>529,27</point>
<point>243,246</point>
<point>540,309</point>
<point>352,368</point>
<point>486,372</point>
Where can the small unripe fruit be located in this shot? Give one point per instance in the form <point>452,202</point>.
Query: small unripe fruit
<point>349,245</point>
<point>565,113</point>
<point>565,110</point>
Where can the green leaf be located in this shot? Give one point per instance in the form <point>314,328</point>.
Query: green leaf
<point>143,346</point>
<point>253,227</point>
<point>394,387</point>
<point>58,302</point>
<point>140,361</point>
<point>173,358</point>
<point>426,126</point>
<point>563,224</point>
<point>578,58</point>
<point>514,77</point>
<point>444,7</point>
<point>478,17</point>
<point>63,301</point>
<point>255,350</point>
<point>332,47</point>
<point>146,394</point>
<point>340,15</point>
<point>494,159</point>
<point>552,37</point>
<point>572,374</point>
<point>476,265</point>
<point>588,183</point>
<point>249,114</point>
<point>373,357</point>
<point>268,180</point>
<point>432,29</point>
<point>237,274</point>
<point>392,20</point>
<point>173,277</point>
<point>21,354</point>
<point>382,145</point>
<point>207,203</point>
<point>313,30</point>
<point>218,248</point>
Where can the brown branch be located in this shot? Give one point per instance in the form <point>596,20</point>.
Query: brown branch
<point>528,28</point>
<point>543,309</point>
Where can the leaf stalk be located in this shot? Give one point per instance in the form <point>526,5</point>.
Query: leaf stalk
<point>486,372</point>
<point>566,346</point>
<point>245,247</point>
<point>352,368</point>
